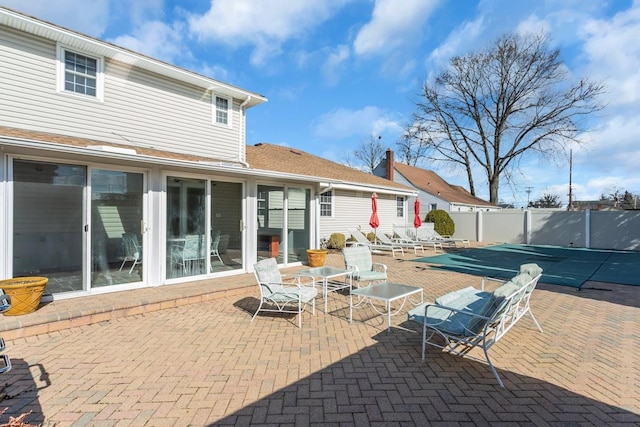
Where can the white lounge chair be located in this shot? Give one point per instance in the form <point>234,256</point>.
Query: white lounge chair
<point>362,240</point>
<point>402,236</point>
<point>385,240</point>
<point>429,233</point>
<point>282,295</point>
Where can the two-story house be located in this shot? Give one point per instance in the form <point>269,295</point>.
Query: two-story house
<point>121,171</point>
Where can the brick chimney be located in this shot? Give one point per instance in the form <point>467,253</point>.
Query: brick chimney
<point>389,165</point>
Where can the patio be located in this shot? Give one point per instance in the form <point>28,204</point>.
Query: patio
<point>199,361</point>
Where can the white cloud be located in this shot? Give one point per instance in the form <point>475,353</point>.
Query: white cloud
<point>457,41</point>
<point>534,25</point>
<point>334,63</point>
<point>264,24</point>
<point>156,39</point>
<point>393,24</point>
<point>345,123</point>
<point>613,53</point>
<point>72,14</point>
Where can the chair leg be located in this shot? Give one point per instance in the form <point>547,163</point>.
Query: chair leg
<point>257,311</point>
<point>133,266</point>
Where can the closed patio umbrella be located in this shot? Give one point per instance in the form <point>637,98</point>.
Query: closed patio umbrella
<point>374,222</point>
<point>417,222</point>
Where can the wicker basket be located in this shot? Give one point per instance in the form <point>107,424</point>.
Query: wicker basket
<point>25,293</point>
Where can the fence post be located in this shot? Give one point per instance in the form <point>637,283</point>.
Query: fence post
<point>587,228</point>
<point>527,226</point>
<point>479,226</point>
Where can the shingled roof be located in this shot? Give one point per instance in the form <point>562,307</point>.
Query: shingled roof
<point>432,183</point>
<point>290,160</point>
<point>266,157</point>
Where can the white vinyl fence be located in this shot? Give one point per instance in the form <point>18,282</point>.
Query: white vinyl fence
<point>586,229</point>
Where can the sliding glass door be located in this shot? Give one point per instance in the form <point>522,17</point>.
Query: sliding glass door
<point>48,223</point>
<point>284,228</point>
<point>117,252</point>
<point>186,227</point>
<point>203,237</point>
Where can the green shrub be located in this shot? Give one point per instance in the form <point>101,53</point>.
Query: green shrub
<point>442,222</point>
<point>337,241</point>
<point>371,237</point>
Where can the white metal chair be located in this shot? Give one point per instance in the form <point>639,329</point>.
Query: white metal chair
<point>282,295</point>
<point>215,243</point>
<point>192,254</point>
<point>132,251</point>
<point>358,260</point>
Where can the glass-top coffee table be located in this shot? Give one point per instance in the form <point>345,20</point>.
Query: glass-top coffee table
<point>327,277</point>
<point>388,293</point>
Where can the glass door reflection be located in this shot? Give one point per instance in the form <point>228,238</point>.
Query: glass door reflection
<point>186,227</point>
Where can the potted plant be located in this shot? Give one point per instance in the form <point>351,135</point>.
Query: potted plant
<point>316,257</point>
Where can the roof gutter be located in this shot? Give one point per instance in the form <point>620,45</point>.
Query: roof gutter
<point>132,156</point>
<point>341,185</point>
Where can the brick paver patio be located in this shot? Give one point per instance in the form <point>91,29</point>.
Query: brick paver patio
<point>184,355</point>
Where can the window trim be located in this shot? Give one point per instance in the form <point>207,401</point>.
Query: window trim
<point>214,110</point>
<point>60,64</point>
<point>331,203</point>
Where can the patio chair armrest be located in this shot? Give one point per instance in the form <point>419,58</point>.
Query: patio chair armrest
<point>460,322</point>
<point>492,279</point>
<point>454,310</point>
<point>377,266</point>
<point>353,269</point>
<point>305,279</point>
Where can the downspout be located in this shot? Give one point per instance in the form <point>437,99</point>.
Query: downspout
<point>242,141</point>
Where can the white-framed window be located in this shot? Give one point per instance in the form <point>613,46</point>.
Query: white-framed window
<point>434,206</point>
<point>326,204</point>
<point>79,74</point>
<point>222,110</point>
<point>400,206</point>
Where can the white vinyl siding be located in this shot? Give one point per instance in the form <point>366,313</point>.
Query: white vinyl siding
<point>352,209</point>
<point>139,108</point>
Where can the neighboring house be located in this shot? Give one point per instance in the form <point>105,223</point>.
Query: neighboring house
<point>121,171</point>
<point>433,191</point>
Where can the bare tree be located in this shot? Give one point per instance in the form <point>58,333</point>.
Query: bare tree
<point>487,109</point>
<point>412,147</point>
<point>370,153</point>
<point>546,201</point>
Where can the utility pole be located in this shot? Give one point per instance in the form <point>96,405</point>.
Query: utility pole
<point>570,173</point>
<point>528,194</point>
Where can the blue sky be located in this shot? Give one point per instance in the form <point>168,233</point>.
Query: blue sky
<point>337,72</point>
